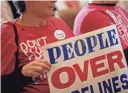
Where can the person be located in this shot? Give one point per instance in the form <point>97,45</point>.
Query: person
<point>35,28</point>
<point>102,13</point>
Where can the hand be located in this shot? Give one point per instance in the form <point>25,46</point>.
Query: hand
<point>35,68</point>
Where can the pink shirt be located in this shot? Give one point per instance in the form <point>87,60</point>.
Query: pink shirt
<point>93,17</point>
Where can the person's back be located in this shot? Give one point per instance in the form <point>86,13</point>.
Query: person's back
<point>96,16</point>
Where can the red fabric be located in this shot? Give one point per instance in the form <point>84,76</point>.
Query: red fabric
<point>31,39</point>
<point>93,17</point>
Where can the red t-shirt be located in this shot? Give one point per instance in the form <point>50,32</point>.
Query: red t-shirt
<point>31,39</point>
<point>93,17</point>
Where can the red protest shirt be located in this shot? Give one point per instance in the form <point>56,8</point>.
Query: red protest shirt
<point>31,39</point>
<point>93,17</point>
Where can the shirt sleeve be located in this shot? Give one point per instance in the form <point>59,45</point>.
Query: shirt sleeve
<point>8,49</point>
<point>95,20</point>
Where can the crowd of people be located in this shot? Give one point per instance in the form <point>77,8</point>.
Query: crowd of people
<point>26,21</point>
